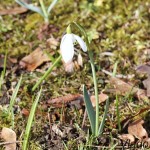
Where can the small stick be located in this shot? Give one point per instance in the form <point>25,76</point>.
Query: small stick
<point>50,125</point>
<point>6,143</point>
<point>85,115</point>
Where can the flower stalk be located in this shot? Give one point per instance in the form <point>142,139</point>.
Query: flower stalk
<point>94,77</point>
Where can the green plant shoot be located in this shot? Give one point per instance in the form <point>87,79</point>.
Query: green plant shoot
<point>43,11</point>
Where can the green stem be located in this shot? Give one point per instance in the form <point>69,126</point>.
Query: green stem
<point>44,11</point>
<point>96,93</point>
<point>30,121</point>
<point>46,73</point>
<point>94,76</point>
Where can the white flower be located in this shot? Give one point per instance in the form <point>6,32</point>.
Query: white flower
<point>67,46</point>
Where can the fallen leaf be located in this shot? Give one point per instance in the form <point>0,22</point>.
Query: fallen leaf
<point>102,98</point>
<point>35,59</point>
<point>128,119</point>
<point>136,129</point>
<point>125,88</point>
<point>59,101</point>
<point>13,11</point>
<point>126,137</point>
<point>9,136</point>
<point>145,69</point>
<point>76,99</point>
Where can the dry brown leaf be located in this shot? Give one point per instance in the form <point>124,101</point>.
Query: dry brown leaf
<point>145,68</point>
<point>58,102</point>
<point>128,119</point>
<point>125,88</point>
<point>102,98</point>
<point>9,136</point>
<point>126,137</point>
<point>13,11</point>
<point>136,129</point>
<point>33,60</point>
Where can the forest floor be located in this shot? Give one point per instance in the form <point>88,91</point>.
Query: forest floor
<point>119,32</point>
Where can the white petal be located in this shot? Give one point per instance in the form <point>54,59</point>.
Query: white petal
<point>80,61</point>
<point>63,38</point>
<point>67,48</point>
<point>81,42</point>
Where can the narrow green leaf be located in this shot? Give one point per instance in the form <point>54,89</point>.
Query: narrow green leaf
<point>30,6</point>
<point>101,127</point>
<point>118,113</point>
<point>51,6</point>
<point>43,8</point>
<point>14,95</point>
<point>30,120</point>
<point>90,109</point>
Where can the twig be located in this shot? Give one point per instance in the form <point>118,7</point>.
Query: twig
<point>6,143</point>
<point>118,75</point>
<point>85,115</point>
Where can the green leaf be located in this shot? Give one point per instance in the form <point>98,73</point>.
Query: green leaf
<point>101,127</point>
<point>90,109</point>
<point>30,120</point>
<point>14,95</point>
<point>51,6</point>
<point>30,6</point>
<point>12,101</point>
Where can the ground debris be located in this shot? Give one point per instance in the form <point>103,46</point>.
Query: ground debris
<point>75,99</point>
<point>13,11</point>
<point>145,69</point>
<point>124,88</point>
<point>9,136</point>
<point>33,60</point>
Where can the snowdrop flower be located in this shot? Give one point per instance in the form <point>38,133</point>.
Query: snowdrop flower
<point>67,46</point>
